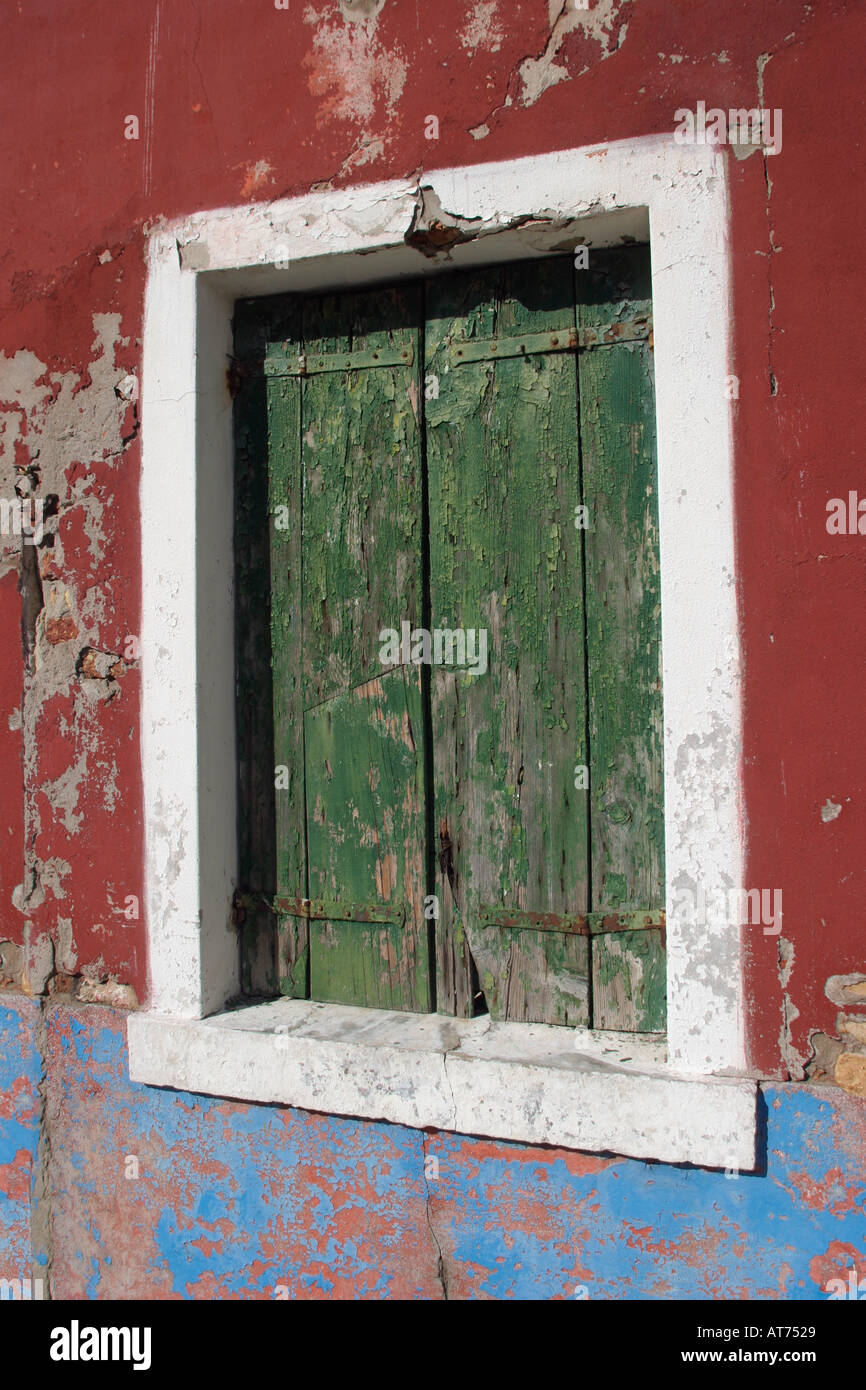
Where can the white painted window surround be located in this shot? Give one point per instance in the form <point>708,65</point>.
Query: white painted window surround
<point>686,1100</point>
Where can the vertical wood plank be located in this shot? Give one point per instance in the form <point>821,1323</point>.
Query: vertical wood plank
<point>623,615</point>
<point>255,727</point>
<point>362,558</point>
<point>506,557</point>
<point>366,833</point>
<point>287,642</point>
<point>629,981</point>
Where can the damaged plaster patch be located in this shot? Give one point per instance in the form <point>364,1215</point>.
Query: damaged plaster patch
<point>821,1066</point>
<point>354,10</point>
<point>368,149</point>
<point>350,69</point>
<point>599,22</point>
<point>62,794</point>
<point>830,810</point>
<point>110,992</point>
<point>482,29</point>
<point>41,875</point>
<point>56,428</point>
<point>846,990</point>
<point>99,674</point>
<point>795,1063</point>
<point>11,965</point>
<point>66,954</point>
<point>601,26</point>
<point>257,177</point>
<point>434,230</point>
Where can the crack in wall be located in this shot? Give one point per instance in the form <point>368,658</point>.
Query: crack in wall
<point>41,1232</point>
<point>762,61</point>
<point>442,1272</point>
<point>534,73</point>
<point>434,231</point>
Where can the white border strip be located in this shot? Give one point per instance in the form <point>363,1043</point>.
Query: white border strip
<point>506,1081</point>
<point>197,267</point>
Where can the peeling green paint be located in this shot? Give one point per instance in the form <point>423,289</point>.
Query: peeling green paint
<point>515,448</point>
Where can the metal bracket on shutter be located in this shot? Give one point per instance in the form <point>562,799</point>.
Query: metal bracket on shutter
<point>561,340</point>
<point>572,924</point>
<point>309,364</point>
<point>318,909</point>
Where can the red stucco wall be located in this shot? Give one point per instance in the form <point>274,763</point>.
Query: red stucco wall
<point>243,104</point>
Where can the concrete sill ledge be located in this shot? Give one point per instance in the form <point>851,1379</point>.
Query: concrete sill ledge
<point>597,1092</point>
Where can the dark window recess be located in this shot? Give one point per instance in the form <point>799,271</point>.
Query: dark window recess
<point>474,457</point>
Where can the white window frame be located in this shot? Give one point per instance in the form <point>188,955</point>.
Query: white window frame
<point>684,1101</point>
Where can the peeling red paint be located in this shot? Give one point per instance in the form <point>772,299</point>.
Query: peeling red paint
<point>15,1177</point>
<point>835,1263</point>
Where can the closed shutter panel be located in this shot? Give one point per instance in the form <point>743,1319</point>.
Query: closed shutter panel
<point>535,408</point>
<point>361,730</point>
<point>504,481</point>
<point>623,615</point>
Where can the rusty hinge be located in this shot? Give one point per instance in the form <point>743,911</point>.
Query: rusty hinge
<point>574,924</point>
<point>317,909</point>
<point>561,340</point>
<point>308,364</point>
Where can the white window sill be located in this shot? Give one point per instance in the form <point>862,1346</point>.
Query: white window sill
<point>593,1091</point>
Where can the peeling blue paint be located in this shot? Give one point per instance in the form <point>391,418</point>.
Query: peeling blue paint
<point>20,1072</point>
<point>233,1200</point>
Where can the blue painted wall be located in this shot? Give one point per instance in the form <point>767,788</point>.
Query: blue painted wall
<point>162,1194</point>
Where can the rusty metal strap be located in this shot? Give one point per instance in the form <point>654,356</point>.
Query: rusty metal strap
<point>319,909</point>
<point>572,924</point>
<point>561,340</point>
<point>309,364</point>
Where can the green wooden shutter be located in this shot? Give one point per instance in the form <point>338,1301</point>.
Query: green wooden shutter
<point>531,406</point>
<point>262,576</point>
<point>346,400</point>
<point>623,620</point>
<point>554,894</point>
<point>504,481</point>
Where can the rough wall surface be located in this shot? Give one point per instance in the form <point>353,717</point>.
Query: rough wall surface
<point>157,1194</point>
<point>232,109</point>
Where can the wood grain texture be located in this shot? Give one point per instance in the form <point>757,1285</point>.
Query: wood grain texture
<point>366,836</point>
<point>505,556</point>
<point>362,572</point>
<point>287,644</point>
<point>629,982</point>
<point>623,616</point>
<point>513,446</point>
<point>255,727</point>
<point>623,605</point>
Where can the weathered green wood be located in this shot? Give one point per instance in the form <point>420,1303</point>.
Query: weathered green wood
<point>332,910</point>
<point>365,830</point>
<point>505,556</point>
<point>629,982</point>
<point>363,520</point>
<point>623,617</point>
<point>255,731</point>
<point>362,490</point>
<point>287,645</point>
